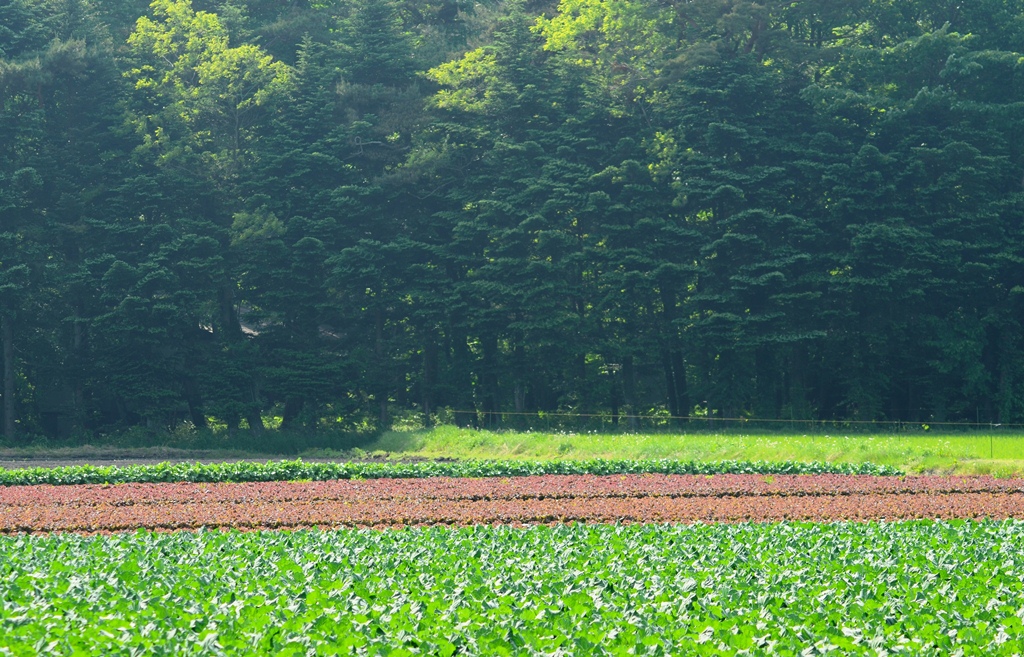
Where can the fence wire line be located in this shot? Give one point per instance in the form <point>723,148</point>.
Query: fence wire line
<point>542,415</point>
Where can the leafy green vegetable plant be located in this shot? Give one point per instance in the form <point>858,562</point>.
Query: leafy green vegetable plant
<point>301,470</point>
<point>920,588</point>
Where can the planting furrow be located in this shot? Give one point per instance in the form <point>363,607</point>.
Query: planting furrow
<point>501,488</point>
<point>546,499</point>
<point>381,513</point>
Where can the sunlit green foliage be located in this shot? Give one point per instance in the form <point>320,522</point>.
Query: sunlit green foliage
<point>297,470</point>
<point>921,588</point>
<point>920,451</point>
<point>356,215</point>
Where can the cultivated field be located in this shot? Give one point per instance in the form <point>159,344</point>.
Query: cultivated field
<point>567,557</point>
<point>518,500</point>
<point>918,588</point>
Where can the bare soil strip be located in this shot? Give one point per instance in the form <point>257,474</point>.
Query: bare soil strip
<point>518,500</point>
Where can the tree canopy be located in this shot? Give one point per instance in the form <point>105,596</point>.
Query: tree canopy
<point>340,213</point>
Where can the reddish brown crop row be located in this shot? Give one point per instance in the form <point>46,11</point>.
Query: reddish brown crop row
<point>554,498</point>
<point>500,488</point>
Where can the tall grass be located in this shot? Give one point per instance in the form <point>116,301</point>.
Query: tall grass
<point>996,453</point>
<point>963,453</point>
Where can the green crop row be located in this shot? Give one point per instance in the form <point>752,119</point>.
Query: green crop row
<point>919,588</point>
<point>301,470</point>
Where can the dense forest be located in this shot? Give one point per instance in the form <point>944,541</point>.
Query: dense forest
<point>310,213</point>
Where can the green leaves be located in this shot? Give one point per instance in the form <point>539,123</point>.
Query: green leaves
<point>579,590</point>
<point>349,214</point>
<point>195,93</point>
<point>299,470</point>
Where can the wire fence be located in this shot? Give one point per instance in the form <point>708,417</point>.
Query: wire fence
<point>563,422</point>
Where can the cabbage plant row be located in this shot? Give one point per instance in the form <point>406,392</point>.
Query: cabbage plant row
<point>919,588</point>
<point>301,470</point>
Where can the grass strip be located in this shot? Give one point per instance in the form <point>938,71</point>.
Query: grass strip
<point>995,453</point>
<point>299,470</point>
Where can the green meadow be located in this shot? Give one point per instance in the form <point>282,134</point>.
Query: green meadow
<point>1000,454</point>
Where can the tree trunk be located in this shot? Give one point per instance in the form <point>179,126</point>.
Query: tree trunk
<point>429,378</point>
<point>465,409</point>
<point>705,358</point>
<point>252,413</point>
<point>255,420</point>
<point>195,404</point>
<point>670,384</point>
<point>80,344</point>
<point>228,315</point>
<point>489,375</point>
<point>520,388</point>
<point>763,404</point>
<point>672,360</point>
<point>798,397</point>
<point>292,409</point>
<point>382,393</point>
<point>682,391</point>
<point>629,393</point>
<point>10,407</point>
<point>1004,362</point>
<point>615,398</point>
